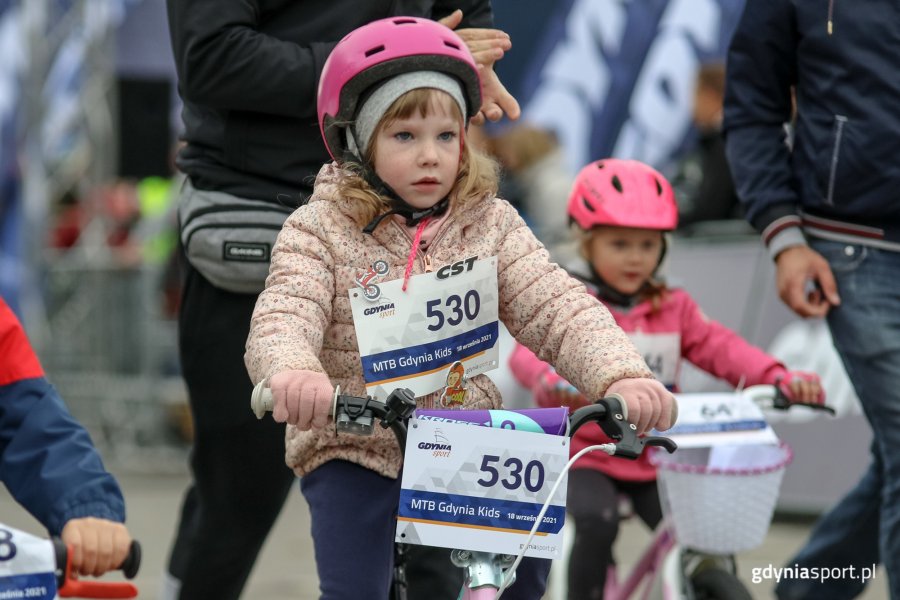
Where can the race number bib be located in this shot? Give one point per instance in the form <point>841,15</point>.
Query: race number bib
<point>661,352</point>
<point>718,419</point>
<point>26,565</point>
<point>481,488</point>
<point>442,330</point>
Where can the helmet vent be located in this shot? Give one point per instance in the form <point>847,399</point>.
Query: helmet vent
<point>659,189</point>
<point>404,22</point>
<point>450,44</point>
<point>617,183</point>
<point>587,205</point>
<point>374,50</point>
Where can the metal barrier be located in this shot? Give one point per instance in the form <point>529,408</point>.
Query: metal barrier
<point>112,354</point>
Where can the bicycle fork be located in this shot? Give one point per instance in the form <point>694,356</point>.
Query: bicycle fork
<point>484,572</point>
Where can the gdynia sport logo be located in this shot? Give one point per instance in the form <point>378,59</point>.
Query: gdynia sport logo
<point>440,446</point>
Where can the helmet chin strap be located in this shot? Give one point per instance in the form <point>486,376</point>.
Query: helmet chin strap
<point>611,294</point>
<point>399,206</point>
<point>413,215</point>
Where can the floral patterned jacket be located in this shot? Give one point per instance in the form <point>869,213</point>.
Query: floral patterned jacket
<point>303,318</point>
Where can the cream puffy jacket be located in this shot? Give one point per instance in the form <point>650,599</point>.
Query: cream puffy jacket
<point>303,320</point>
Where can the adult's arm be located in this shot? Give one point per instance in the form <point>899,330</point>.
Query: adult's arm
<point>225,61</point>
<point>761,71</point>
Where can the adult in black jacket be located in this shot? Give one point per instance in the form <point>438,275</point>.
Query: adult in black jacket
<point>828,207</point>
<point>248,73</point>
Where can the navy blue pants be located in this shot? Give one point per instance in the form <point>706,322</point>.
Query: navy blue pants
<point>353,513</point>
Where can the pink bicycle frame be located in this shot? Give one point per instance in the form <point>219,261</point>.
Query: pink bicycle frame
<point>646,568</point>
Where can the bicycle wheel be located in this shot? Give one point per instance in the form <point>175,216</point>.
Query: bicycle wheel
<point>718,584</point>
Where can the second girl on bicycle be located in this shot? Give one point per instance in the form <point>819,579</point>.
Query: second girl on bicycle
<point>406,188</point>
<point>622,209</point>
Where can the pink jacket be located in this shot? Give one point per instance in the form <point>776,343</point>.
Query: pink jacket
<point>709,345</point>
<point>303,319</point>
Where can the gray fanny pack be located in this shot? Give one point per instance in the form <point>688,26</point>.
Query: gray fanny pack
<point>229,239</point>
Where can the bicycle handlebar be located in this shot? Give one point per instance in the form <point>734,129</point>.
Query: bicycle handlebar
<point>69,587</point>
<point>357,415</point>
<point>763,396</point>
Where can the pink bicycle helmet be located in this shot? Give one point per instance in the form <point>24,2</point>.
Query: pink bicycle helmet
<point>383,49</point>
<point>624,193</point>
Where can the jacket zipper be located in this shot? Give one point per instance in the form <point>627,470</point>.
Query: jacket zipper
<point>187,242</point>
<point>840,121</point>
<point>426,259</point>
<point>231,208</point>
<point>830,25</point>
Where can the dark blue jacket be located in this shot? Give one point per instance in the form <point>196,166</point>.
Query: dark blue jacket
<point>843,57</point>
<point>47,460</point>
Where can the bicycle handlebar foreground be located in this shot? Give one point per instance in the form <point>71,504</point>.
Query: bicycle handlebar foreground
<point>69,587</point>
<point>352,414</point>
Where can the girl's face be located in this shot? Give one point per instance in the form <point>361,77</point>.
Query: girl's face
<point>625,257</point>
<point>418,156</point>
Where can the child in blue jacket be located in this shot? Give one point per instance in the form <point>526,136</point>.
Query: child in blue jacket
<point>49,464</point>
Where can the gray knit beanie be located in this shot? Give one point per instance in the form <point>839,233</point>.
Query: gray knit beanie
<point>379,101</point>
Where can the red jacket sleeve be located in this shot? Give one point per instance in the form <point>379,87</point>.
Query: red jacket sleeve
<point>722,352</point>
<point>17,359</point>
<point>535,375</point>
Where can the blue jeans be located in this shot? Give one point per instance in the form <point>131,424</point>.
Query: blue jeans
<point>864,527</point>
<point>353,515</point>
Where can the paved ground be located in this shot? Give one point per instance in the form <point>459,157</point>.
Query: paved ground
<point>286,571</point>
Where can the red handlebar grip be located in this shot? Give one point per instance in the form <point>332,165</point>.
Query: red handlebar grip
<point>77,588</point>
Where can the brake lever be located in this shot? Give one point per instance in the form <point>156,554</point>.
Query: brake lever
<point>610,415</point>
<point>782,402</point>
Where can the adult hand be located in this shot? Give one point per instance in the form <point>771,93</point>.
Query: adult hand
<point>650,405</point>
<point>487,47</point>
<point>799,266</point>
<point>302,398</point>
<point>96,545</point>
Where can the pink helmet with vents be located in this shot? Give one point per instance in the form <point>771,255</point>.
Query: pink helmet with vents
<point>379,51</point>
<point>624,193</point>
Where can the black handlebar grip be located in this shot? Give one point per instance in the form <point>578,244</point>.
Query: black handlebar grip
<point>132,562</point>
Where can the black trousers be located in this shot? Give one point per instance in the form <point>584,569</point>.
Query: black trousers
<point>240,480</point>
<point>593,503</point>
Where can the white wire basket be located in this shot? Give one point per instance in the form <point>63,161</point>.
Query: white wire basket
<point>723,509</point>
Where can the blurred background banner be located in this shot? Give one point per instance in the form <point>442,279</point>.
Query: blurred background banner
<point>613,77</point>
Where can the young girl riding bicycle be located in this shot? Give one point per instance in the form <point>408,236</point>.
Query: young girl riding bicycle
<point>622,209</point>
<point>406,189</point>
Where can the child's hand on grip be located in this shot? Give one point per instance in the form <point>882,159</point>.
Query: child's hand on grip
<point>96,545</point>
<point>800,386</point>
<point>302,398</point>
<point>650,405</point>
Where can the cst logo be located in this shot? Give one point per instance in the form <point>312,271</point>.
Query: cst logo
<point>456,268</point>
